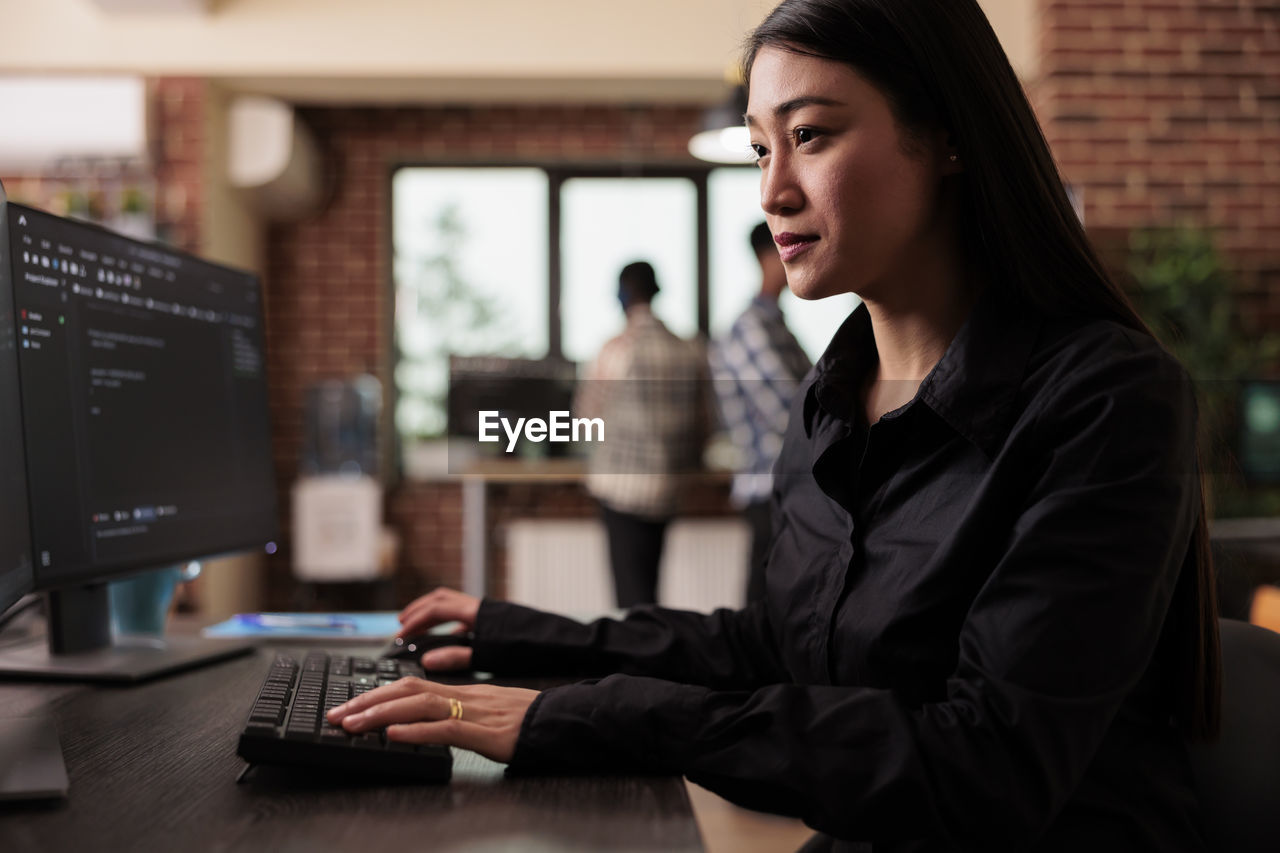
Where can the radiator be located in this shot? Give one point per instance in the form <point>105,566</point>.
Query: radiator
<point>563,565</point>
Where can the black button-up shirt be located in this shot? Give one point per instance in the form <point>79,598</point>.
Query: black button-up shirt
<point>961,647</point>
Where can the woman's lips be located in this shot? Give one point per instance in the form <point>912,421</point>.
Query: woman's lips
<point>790,245</point>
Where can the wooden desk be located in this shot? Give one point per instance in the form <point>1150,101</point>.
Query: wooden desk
<point>153,767</point>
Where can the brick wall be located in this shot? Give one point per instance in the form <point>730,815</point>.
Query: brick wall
<point>1168,111</point>
<point>178,150</point>
<point>328,287</point>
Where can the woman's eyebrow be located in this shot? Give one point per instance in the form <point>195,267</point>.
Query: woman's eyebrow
<point>787,107</point>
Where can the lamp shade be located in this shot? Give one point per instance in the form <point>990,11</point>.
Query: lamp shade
<point>724,138</point>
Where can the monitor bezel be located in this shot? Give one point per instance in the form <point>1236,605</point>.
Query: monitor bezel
<point>27,583</point>
<point>106,572</point>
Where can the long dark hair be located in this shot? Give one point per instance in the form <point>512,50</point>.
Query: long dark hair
<point>940,65</point>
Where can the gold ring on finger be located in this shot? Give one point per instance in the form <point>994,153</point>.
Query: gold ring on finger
<point>455,709</point>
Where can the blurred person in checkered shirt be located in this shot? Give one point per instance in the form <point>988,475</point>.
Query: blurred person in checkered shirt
<point>649,386</point>
<point>756,369</point>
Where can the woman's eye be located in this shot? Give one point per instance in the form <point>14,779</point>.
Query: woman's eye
<point>803,135</point>
<point>760,150</point>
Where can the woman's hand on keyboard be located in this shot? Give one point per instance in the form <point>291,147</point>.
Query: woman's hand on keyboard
<point>416,711</point>
<point>435,608</point>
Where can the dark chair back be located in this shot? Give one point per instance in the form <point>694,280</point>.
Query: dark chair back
<point>1238,777</point>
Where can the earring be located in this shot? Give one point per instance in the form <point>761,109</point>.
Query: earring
<point>954,157</point>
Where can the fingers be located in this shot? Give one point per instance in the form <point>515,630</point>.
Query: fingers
<point>407,709</point>
<point>447,659</point>
<point>360,703</point>
<point>397,690</point>
<point>439,599</point>
<point>439,605</point>
<point>488,719</point>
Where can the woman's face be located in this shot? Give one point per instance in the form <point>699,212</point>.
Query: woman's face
<point>850,209</point>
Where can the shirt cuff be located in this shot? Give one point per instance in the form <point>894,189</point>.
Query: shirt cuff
<point>488,627</point>
<point>620,724</point>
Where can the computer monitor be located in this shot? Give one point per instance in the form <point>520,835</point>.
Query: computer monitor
<point>514,388</point>
<point>143,399</point>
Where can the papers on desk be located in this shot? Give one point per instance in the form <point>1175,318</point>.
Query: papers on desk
<point>377,625</point>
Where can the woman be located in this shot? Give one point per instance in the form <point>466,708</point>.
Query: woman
<point>989,622</point>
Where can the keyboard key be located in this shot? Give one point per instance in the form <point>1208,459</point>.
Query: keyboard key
<point>332,734</point>
<point>368,740</point>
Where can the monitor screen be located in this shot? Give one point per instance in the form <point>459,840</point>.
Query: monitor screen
<point>15,533</point>
<point>511,388</point>
<point>144,402</point>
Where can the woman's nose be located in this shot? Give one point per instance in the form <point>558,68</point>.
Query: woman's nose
<point>779,189</point>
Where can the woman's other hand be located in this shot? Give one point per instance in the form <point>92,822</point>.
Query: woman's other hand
<point>479,717</point>
<point>435,608</point>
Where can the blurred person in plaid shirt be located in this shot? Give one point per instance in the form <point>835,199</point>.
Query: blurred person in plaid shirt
<point>757,368</point>
<point>649,386</point>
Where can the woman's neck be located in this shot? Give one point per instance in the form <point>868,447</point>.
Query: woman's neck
<point>912,336</point>
<point>910,344</point>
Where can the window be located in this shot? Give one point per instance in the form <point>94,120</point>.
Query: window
<point>470,267</point>
<point>482,254</point>
<point>606,224</point>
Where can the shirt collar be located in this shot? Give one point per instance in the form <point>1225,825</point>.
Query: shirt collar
<point>641,314</point>
<point>840,370</point>
<point>972,387</point>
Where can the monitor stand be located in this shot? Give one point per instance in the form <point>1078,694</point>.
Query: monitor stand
<point>31,765</point>
<point>81,647</point>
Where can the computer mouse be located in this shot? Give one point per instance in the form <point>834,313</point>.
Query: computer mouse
<point>419,644</point>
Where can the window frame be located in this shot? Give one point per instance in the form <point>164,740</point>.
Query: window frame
<point>557,174</point>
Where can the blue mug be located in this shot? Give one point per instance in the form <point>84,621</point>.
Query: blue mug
<point>140,604</point>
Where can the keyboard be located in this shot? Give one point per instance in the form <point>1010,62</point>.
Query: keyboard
<point>286,725</point>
